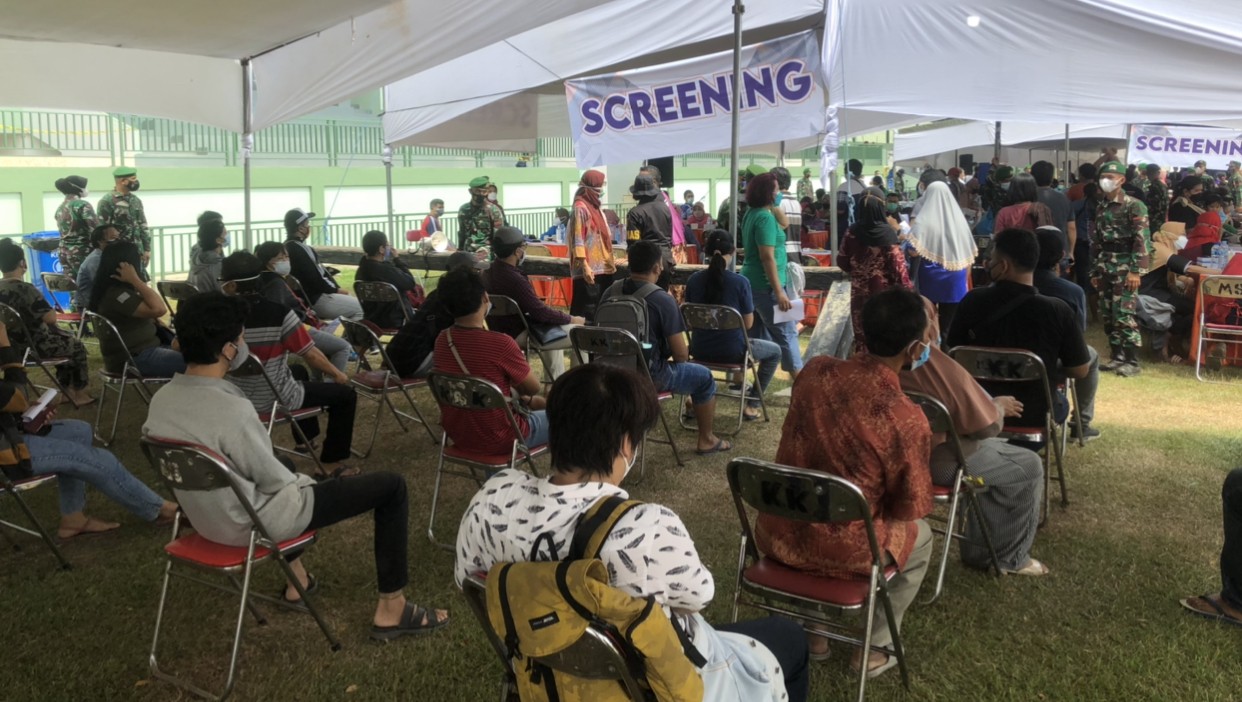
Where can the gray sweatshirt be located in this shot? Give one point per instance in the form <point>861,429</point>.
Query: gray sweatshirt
<point>213,413</point>
<point>205,269</point>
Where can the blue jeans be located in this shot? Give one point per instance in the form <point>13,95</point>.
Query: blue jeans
<point>784,334</point>
<point>536,429</point>
<point>160,362</point>
<point>67,452</point>
<point>334,347</point>
<point>693,380</point>
<point>768,354</point>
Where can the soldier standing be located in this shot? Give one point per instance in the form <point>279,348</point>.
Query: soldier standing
<point>122,209</point>
<point>1123,243</point>
<point>1235,183</point>
<point>1157,198</point>
<point>478,219</point>
<point>75,218</point>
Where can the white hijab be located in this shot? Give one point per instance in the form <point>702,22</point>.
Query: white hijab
<point>940,233</point>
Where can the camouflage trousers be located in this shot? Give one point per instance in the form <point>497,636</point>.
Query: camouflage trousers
<point>71,259</point>
<point>1118,307</point>
<point>56,343</point>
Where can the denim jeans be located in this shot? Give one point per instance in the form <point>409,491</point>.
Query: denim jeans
<point>334,347</point>
<point>160,362</point>
<point>536,429</point>
<point>693,380</point>
<point>66,450</point>
<point>784,334</point>
<point>768,354</point>
<point>329,306</point>
<point>1231,553</point>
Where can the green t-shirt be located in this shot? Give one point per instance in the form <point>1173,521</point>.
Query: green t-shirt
<point>118,306</point>
<point>760,229</point>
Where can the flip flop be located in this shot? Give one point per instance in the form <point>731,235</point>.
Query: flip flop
<point>1220,616</point>
<point>719,447</point>
<point>873,673</point>
<point>312,586</point>
<point>85,529</point>
<point>819,657</point>
<point>411,624</point>
<point>1032,568</point>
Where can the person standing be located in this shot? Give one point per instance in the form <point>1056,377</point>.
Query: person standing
<point>806,188</point>
<point>1157,198</point>
<point>1234,181</point>
<point>652,220</point>
<point>1123,241</point>
<point>1057,203</point>
<point>123,209</point>
<point>793,215</point>
<point>872,257</point>
<point>478,219</point>
<point>590,246</point>
<point>677,231</point>
<point>323,294</point>
<point>764,241</point>
<point>76,219</point>
<point>945,250</point>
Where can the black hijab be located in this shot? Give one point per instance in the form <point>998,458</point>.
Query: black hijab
<point>872,227</point>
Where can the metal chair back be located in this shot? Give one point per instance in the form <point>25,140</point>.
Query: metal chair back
<point>1226,286</point>
<point>503,306</point>
<point>940,421</point>
<point>56,283</point>
<point>366,335</point>
<point>609,345</point>
<point>378,292</point>
<point>110,336</point>
<point>175,291</point>
<point>1005,365</point>
<point>471,394</point>
<point>711,317</point>
<point>12,319</point>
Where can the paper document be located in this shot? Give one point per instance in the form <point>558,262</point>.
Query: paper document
<point>795,313</point>
<point>37,408</point>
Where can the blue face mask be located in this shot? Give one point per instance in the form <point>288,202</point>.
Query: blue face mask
<point>914,365</point>
<point>779,197</point>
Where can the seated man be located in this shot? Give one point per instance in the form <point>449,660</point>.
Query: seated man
<point>206,255</point>
<point>49,340</point>
<point>468,348</point>
<point>1048,281</point>
<point>1010,313</point>
<point>411,349</point>
<point>666,336</point>
<point>101,236</point>
<point>851,419</point>
<point>1014,476</point>
<point>289,504</point>
<point>380,265</point>
<point>1226,605</point>
<point>275,287</point>
<point>326,297</point>
<point>272,332</point>
<point>598,416</point>
<point>506,278</point>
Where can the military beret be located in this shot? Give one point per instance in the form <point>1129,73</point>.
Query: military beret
<point>124,172</point>
<point>1113,167</point>
<point>481,182</point>
<point>1235,163</point>
<point>755,169</point>
<point>1004,172</point>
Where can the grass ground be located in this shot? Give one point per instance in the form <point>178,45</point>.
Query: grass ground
<point>1143,529</point>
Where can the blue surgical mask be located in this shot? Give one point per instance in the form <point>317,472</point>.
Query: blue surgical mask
<point>779,197</point>
<point>914,365</point>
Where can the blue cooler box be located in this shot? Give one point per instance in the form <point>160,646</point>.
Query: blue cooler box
<point>45,258</point>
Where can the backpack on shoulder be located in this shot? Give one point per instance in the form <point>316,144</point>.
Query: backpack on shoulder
<point>629,312</point>
<point>541,609</point>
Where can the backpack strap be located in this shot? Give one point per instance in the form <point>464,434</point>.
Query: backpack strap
<point>645,289</point>
<point>596,523</point>
<point>511,638</point>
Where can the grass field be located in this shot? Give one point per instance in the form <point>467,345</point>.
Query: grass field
<point>1143,529</point>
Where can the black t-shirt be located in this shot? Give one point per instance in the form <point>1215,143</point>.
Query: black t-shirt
<point>1044,325</point>
<point>654,223</point>
<point>1059,205</point>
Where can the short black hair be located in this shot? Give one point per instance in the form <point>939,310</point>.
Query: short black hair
<point>643,256</point>
<point>892,320</point>
<point>1210,199</point>
<point>783,179</point>
<point>1043,173</point>
<point>268,250</point>
<point>1153,170</point>
<point>461,291</point>
<point>11,256</point>
<point>1086,171</point>
<point>437,201</point>
<point>98,234</point>
<point>592,409</point>
<point>562,211</point>
<point>118,252</point>
<point>209,230</point>
<point>209,215</point>
<point>932,175</point>
<point>854,166</point>
<point>240,265</point>
<point>653,171</point>
<point>1019,246</point>
<point>1022,189</point>
<point>1051,248</point>
<point>206,322</point>
<point>373,241</point>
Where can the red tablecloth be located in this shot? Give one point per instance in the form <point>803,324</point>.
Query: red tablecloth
<point>557,250</point>
<point>815,240</point>
<point>814,300</point>
<point>692,253</point>
<point>824,257</point>
<point>555,292</point>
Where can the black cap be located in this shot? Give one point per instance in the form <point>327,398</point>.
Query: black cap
<point>295,217</point>
<point>644,186</point>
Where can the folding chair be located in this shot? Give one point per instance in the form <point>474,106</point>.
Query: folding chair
<point>1224,286</point>
<point>376,384</point>
<point>279,414</point>
<point>15,488</point>
<point>187,467</point>
<point>1001,365</point>
<point>598,655</point>
<point>58,283</point>
<point>380,292</point>
<point>555,297</point>
<point>619,348</point>
<point>810,496</point>
<point>503,306</point>
<point>175,291</point>
<point>722,318</point>
<point>117,382</point>
<point>469,394</point>
<point>12,319</point>
<point>941,422</point>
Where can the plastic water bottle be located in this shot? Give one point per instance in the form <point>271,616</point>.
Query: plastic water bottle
<point>1220,255</point>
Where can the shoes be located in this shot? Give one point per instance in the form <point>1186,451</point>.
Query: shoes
<point>1128,370</point>
<point>1090,433</point>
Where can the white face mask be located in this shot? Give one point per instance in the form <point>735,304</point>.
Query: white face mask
<point>629,465</point>
<point>491,197</point>
<point>242,353</point>
<point>1181,243</point>
<point>1109,185</point>
<point>282,267</point>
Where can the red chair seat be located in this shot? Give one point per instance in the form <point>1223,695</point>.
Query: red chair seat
<point>664,395</point>
<point>1034,434</point>
<point>499,460</point>
<point>68,317</point>
<point>944,492</point>
<point>294,414</point>
<point>374,379</point>
<point>198,550</point>
<point>841,592</point>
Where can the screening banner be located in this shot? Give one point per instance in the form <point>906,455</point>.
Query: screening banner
<point>686,106</point>
<point>1183,146</point>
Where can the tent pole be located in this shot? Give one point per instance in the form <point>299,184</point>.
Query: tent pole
<point>1069,161</point>
<point>996,149</point>
<point>780,159</point>
<point>734,158</point>
<point>386,157</point>
<point>834,219</point>
<point>247,142</point>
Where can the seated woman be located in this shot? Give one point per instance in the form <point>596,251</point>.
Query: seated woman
<point>120,296</point>
<point>66,450</point>
<point>380,265</point>
<point>49,340</point>
<point>206,255</point>
<point>1170,278</point>
<point>1014,476</point>
<point>276,267</point>
<point>599,415</point>
<point>289,504</point>
<point>718,286</point>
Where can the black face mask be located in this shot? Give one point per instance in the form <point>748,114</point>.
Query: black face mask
<point>133,186</point>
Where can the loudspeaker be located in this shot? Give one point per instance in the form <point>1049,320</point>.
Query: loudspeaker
<point>966,162</point>
<point>666,170</point>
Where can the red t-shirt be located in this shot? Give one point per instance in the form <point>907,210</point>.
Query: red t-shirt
<point>492,356</point>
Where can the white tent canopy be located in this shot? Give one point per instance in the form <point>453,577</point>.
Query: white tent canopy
<point>980,138</point>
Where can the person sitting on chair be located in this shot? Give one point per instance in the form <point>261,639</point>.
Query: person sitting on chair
<point>49,340</point>
<point>505,277</point>
<point>326,297</point>
<point>121,296</point>
<point>469,348</point>
<point>289,504</point>
<point>599,415</point>
<point>380,264</point>
<point>851,419</point>
<point>101,236</point>
<point>275,287</point>
<point>411,350</point>
<point>273,332</point>
<point>206,255</point>
<point>1226,605</point>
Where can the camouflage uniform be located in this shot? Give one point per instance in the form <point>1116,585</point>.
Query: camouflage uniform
<point>1235,186</point>
<point>1123,246</point>
<point>993,196</point>
<point>76,219</point>
<point>49,341</point>
<point>476,224</point>
<point>1157,204</point>
<point>806,188</point>
<point>126,214</point>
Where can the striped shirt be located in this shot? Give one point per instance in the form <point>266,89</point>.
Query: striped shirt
<point>494,357</point>
<point>271,331</point>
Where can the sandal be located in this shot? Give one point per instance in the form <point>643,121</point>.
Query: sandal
<point>1217,612</point>
<point>1032,568</point>
<point>415,621</point>
<point>872,673</point>
<point>312,586</point>
<point>89,527</point>
<point>721,445</point>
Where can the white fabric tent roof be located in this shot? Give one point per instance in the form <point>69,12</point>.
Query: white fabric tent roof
<point>980,138</point>
<point>182,60</point>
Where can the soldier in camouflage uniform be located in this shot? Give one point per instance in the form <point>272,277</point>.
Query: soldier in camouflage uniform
<point>1123,253</point>
<point>75,218</point>
<point>995,192</point>
<point>1235,183</point>
<point>1157,198</point>
<point>478,219</point>
<point>40,319</point>
<point>122,209</point>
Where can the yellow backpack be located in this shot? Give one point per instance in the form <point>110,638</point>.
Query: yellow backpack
<point>540,609</point>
